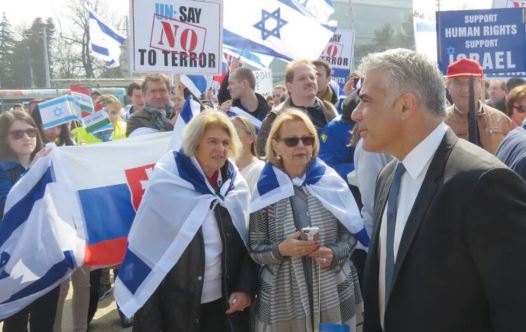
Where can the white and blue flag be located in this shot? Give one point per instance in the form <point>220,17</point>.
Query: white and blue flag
<point>57,111</point>
<point>322,182</point>
<point>278,28</point>
<point>162,230</point>
<point>191,109</point>
<point>105,42</point>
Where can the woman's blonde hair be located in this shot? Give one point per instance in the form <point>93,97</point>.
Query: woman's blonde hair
<point>290,114</point>
<point>249,129</point>
<point>195,130</point>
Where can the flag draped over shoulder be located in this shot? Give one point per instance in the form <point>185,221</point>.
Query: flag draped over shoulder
<point>323,183</point>
<point>74,207</point>
<point>105,41</point>
<point>191,109</point>
<point>39,243</point>
<point>175,205</point>
<point>279,28</point>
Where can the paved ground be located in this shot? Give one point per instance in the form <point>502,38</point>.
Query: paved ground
<point>106,318</point>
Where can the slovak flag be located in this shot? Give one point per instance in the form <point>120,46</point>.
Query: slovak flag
<point>74,207</point>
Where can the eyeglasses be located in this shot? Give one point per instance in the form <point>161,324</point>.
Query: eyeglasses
<point>294,140</point>
<point>19,133</point>
<point>520,108</point>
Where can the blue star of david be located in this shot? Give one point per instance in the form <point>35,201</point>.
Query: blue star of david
<point>450,50</point>
<point>276,15</point>
<point>57,111</point>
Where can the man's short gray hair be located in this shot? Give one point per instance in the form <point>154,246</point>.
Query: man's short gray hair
<point>409,71</point>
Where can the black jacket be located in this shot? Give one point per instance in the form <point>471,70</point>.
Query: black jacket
<point>175,305</point>
<point>261,112</point>
<point>461,262</point>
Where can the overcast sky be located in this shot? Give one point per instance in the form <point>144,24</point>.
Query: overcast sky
<point>23,12</point>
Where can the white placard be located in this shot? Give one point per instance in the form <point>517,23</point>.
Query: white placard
<point>182,37</point>
<point>263,82</point>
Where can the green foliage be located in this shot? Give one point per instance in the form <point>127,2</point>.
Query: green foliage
<point>7,51</point>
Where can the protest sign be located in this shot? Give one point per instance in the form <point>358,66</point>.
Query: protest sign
<point>494,37</point>
<point>183,37</point>
<point>57,111</point>
<point>263,82</point>
<point>339,54</point>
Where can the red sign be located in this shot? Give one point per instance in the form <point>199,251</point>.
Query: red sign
<point>333,50</point>
<point>137,178</point>
<point>169,34</point>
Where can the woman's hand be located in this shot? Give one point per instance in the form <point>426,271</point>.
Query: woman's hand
<point>238,301</point>
<point>294,247</point>
<point>323,256</point>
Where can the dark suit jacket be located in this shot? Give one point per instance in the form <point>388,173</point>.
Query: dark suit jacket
<point>461,264</point>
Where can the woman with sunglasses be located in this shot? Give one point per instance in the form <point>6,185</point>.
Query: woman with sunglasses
<point>303,282</point>
<point>19,143</point>
<point>516,105</point>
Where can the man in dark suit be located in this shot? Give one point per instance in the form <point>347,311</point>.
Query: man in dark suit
<point>448,250</point>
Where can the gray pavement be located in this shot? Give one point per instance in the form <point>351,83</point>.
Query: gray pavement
<point>106,318</point>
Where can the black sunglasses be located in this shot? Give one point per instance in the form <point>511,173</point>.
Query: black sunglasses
<point>294,140</point>
<point>19,133</point>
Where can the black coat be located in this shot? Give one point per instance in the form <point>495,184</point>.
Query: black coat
<point>175,305</point>
<point>462,257</point>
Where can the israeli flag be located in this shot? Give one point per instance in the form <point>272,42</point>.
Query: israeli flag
<point>282,29</point>
<point>57,111</point>
<point>319,180</point>
<point>39,243</point>
<point>105,41</point>
<point>196,84</point>
<point>191,108</point>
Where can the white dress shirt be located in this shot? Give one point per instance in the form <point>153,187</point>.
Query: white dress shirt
<point>416,164</point>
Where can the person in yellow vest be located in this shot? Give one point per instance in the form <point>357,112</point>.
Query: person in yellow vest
<point>113,106</point>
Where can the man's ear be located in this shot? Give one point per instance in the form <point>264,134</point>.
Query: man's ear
<point>409,104</point>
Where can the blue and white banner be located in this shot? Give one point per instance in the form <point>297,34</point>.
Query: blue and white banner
<point>191,109</point>
<point>196,84</point>
<point>57,111</point>
<point>495,38</point>
<point>256,60</point>
<point>323,183</point>
<point>57,215</point>
<point>105,41</point>
<point>276,28</point>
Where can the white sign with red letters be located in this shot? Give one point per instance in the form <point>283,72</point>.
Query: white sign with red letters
<point>182,37</point>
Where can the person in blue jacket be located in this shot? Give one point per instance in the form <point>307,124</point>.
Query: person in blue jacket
<point>334,141</point>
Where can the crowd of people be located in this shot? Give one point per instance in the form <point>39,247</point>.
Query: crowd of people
<point>383,207</point>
